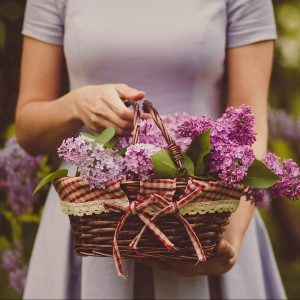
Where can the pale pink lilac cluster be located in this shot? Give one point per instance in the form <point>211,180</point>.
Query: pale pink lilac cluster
<point>12,261</point>
<point>138,161</point>
<point>123,142</point>
<point>95,164</point>
<point>18,175</point>
<point>287,186</point>
<point>151,134</point>
<point>289,173</point>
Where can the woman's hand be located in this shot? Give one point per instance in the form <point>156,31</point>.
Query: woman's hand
<point>225,259</point>
<point>100,106</point>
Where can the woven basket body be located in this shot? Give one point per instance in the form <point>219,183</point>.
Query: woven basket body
<point>93,229</point>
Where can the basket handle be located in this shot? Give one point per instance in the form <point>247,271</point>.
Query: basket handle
<point>174,149</point>
<point>136,126</point>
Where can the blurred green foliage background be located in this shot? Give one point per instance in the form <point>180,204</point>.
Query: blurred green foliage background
<point>283,221</point>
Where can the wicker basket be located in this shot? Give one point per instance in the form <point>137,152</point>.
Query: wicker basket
<point>100,229</point>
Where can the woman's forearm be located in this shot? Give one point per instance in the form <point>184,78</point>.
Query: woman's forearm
<point>42,125</point>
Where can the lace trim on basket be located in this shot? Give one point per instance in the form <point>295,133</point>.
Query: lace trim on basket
<point>192,208</point>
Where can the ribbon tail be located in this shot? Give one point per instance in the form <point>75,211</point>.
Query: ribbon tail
<point>156,231</point>
<point>116,251</point>
<point>194,239</point>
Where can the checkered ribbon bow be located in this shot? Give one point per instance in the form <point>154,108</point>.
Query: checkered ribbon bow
<point>165,207</point>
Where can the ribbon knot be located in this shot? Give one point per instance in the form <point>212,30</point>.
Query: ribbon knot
<point>132,208</point>
<point>174,208</point>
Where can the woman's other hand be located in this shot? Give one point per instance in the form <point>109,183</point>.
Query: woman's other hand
<point>224,260</point>
<point>100,106</point>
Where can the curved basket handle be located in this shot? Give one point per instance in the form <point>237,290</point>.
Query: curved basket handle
<point>174,149</point>
<point>136,126</point>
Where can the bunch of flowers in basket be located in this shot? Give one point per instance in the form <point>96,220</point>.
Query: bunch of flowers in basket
<point>214,150</point>
<point>176,172</point>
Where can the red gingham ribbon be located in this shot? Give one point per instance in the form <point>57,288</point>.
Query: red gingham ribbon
<point>167,207</point>
<point>135,208</point>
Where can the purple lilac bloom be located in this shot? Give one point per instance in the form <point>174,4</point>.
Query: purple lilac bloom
<point>96,164</point>
<point>123,142</point>
<point>232,163</point>
<point>194,126</point>
<point>289,185</point>
<point>289,173</point>
<point>231,138</point>
<point>75,150</point>
<point>150,134</point>
<point>239,124</point>
<point>189,128</point>
<point>10,261</point>
<point>272,161</point>
<point>17,279</point>
<point>259,197</point>
<point>138,160</point>
<point>18,175</point>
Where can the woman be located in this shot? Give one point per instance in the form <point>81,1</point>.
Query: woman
<point>178,53</point>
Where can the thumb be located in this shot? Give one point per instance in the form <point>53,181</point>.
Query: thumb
<point>126,92</point>
<point>225,249</point>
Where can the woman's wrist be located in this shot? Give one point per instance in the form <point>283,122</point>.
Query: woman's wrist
<point>72,107</point>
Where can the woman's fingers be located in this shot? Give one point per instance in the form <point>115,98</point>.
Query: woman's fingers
<point>126,92</point>
<point>225,249</point>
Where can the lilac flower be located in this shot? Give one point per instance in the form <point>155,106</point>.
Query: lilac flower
<point>272,161</point>
<point>10,261</point>
<point>239,123</point>
<point>231,138</point>
<point>231,162</point>
<point>259,197</point>
<point>151,134</point>
<point>289,173</point>
<point>172,121</point>
<point>17,279</point>
<point>194,126</point>
<point>123,142</point>
<point>96,164</point>
<point>138,160</point>
<point>18,175</point>
<point>75,150</point>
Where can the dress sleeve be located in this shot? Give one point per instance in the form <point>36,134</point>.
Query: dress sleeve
<point>249,21</point>
<point>44,21</point>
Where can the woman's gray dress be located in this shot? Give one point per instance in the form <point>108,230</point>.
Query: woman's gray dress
<point>175,51</point>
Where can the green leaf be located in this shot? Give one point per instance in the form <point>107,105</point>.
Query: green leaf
<point>2,35</point>
<point>110,144</point>
<point>165,167</point>
<point>189,165</point>
<point>11,10</point>
<point>260,176</point>
<point>198,149</point>
<point>106,135</point>
<point>49,178</point>
<point>122,151</point>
